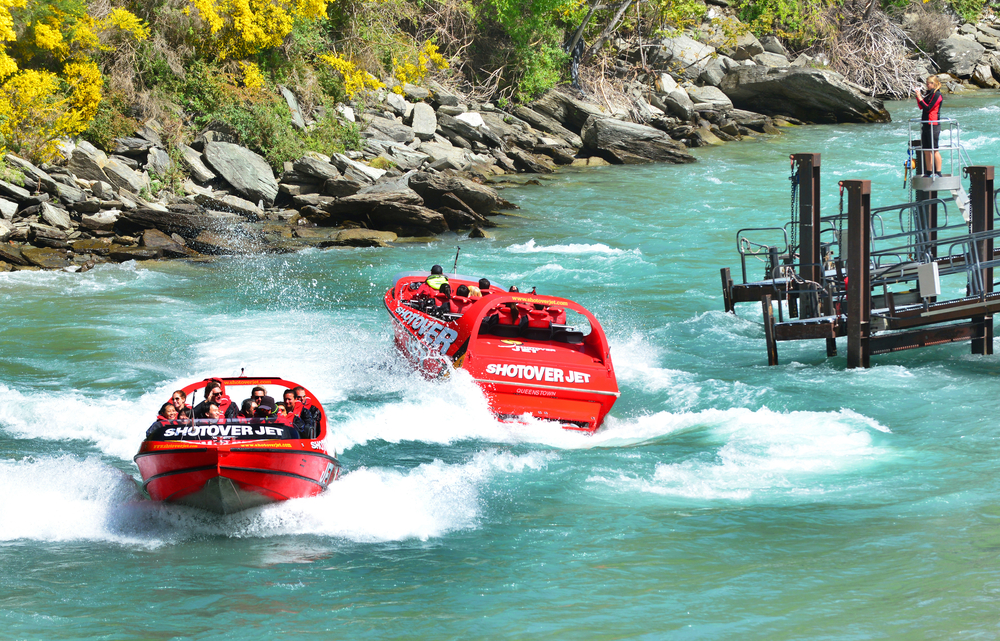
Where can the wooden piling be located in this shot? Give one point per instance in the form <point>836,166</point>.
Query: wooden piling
<point>769,337</point>
<point>858,272</point>
<point>809,228</point>
<point>981,211</point>
<point>727,291</point>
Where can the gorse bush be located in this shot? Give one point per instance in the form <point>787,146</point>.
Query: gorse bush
<point>48,65</point>
<point>237,29</point>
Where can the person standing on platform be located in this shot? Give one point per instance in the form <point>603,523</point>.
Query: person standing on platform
<point>930,129</point>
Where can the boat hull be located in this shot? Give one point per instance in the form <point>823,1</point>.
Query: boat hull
<point>229,477</point>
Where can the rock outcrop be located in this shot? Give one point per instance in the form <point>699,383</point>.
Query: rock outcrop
<point>810,95</point>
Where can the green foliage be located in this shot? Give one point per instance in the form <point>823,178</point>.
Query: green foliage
<point>110,122</point>
<point>969,9</point>
<point>260,119</point>
<point>382,163</point>
<point>536,39</point>
<point>800,22</point>
<point>11,174</point>
<point>678,14</point>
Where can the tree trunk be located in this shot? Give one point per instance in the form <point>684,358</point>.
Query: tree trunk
<point>622,8</point>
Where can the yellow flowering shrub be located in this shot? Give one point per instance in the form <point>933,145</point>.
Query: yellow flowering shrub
<point>252,77</point>
<point>127,23</point>
<point>241,28</point>
<point>355,78</point>
<point>413,71</point>
<point>51,85</point>
<point>33,115</point>
<point>7,33</point>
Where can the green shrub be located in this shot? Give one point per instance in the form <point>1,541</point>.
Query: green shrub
<point>969,9</point>
<point>110,122</point>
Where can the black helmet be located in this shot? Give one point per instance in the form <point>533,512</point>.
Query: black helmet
<point>436,269</point>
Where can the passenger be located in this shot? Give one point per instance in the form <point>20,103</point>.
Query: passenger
<point>266,408</point>
<point>168,412</point>
<point>214,412</point>
<point>463,290</point>
<point>257,395</point>
<point>179,401</point>
<point>482,290</point>
<point>289,401</point>
<point>442,302</point>
<point>213,394</point>
<point>513,288</point>
<point>310,414</point>
<point>249,409</point>
<point>284,418</point>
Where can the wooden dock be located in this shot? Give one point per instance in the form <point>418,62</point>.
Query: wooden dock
<point>874,275</point>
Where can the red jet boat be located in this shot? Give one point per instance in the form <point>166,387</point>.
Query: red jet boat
<point>226,465</point>
<point>531,354</point>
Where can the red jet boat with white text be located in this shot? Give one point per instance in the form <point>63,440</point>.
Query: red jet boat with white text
<point>226,465</point>
<point>531,354</point>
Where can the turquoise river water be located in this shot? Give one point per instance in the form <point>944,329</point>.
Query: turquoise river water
<point>722,499</point>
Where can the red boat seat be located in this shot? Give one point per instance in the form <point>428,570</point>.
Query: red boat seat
<point>538,319</point>
<point>459,304</point>
<point>505,316</point>
<point>557,315</point>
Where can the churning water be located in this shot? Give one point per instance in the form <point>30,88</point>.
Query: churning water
<point>722,498</point>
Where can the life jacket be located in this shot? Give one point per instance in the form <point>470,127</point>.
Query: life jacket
<point>434,281</point>
<point>930,107</point>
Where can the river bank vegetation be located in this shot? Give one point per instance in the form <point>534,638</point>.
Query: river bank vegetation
<point>180,128</point>
<point>101,68</point>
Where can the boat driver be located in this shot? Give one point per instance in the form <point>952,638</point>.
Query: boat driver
<point>437,278</point>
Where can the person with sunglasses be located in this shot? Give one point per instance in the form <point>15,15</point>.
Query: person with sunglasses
<point>214,395</point>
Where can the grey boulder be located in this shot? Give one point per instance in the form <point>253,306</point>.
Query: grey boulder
<point>247,172</point>
<point>958,55</point>
<point>630,143</point>
<point>811,95</point>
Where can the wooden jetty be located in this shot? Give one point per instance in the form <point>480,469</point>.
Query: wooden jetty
<point>874,275</point>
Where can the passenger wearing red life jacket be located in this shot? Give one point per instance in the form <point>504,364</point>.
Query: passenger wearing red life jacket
<point>167,413</point>
<point>214,394</point>
<point>179,401</point>
<point>291,423</point>
<point>308,412</point>
<point>930,129</point>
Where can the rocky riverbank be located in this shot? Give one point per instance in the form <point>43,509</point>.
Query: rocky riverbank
<point>427,156</point>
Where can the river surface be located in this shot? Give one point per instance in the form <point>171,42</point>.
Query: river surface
<point>722,499</point>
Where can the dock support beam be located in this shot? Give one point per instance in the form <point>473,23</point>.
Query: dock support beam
<point>727,290</point>
<point>859,228</point>
<point>981,208</point>
<point>769,337</point>
<point>810,261</point>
